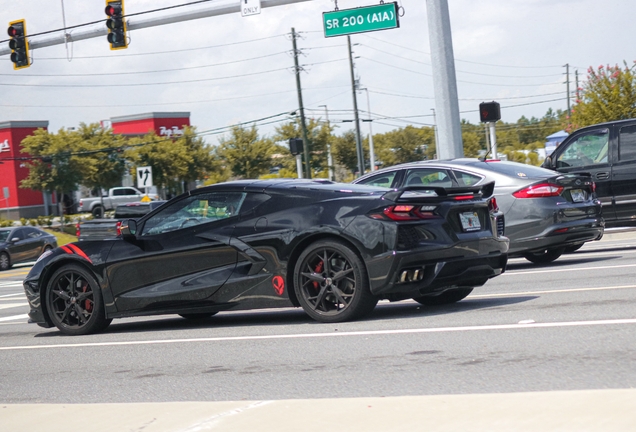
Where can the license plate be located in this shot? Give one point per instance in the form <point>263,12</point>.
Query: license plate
<point>578,195</point>
<point>470,221</point>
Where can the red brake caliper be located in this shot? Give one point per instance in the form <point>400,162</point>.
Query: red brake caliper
<point>318,269</point>
<point>87,303</point>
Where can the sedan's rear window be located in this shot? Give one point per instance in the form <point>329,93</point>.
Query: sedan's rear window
<point>512,169</point>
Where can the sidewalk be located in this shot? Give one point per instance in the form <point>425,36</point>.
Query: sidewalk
<point>585,410</point>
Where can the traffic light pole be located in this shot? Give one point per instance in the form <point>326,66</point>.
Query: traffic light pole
<point>133,23</point>
<point>493,139</point>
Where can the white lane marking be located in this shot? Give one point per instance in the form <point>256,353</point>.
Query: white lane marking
<point>12,305</point>
<point>14,317</point>
<point>338,334</point>
<point>5,297</point>
<point>512,294</point>
<point>11,284</point>
<point>211,422</point>
<point>569,269</point>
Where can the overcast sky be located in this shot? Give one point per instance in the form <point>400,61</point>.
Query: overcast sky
<point>511,51</point>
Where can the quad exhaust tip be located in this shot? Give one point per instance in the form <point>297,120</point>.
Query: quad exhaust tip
<point>412,275</point>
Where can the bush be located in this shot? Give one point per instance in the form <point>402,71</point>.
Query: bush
<point>24,221</point>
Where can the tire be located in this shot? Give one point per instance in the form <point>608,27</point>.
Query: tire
<point>197,316</point>
<point>5,261</point>
<point>331,283</point>
<point>447,297</point>
<point>546,256</point>
<point>74,301</point>
<point>573,248</point>
<point>98,212</point>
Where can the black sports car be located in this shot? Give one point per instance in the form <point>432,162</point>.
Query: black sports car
<point>334,249</point>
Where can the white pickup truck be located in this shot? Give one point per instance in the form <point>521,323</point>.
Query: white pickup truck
<point>116,196</point>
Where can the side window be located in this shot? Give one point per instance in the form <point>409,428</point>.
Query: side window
<point>428,177</point>
<point>588,149</point>
<point>627,143</point>
<point>118,192</point>
<point>194,210</point>
<point>19,233</point>
<point>32,233</point>
<point>467,179</point>
<point>383,180</point>
<point>130,192</point>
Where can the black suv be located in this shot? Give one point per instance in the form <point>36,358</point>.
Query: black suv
<point>607,151</point>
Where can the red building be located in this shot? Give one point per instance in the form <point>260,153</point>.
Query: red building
<point>16,202</point>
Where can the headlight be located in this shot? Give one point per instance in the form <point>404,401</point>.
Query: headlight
<point>44,255</point>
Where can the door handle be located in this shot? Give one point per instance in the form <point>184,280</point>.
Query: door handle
<point>602,175</point>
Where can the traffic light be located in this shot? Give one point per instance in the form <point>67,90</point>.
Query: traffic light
<point>116,24</point>
<point>19,44</point>
<point>295,146</point>
<point>489,112</point>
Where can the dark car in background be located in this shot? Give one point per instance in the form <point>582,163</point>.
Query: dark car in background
<point>22,244</point>
<point>332,249</point>
<point>607,152</point>
<point>545,212</point>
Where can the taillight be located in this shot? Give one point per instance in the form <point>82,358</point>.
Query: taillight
<point>593,187</point>
<point>118,228</point>
<point>539,191</point>
<point>492,205</point>
<point>406,213</point>
<point>463,197</point>
<point>77,229</point>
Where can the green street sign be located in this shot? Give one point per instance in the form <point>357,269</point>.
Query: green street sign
<point>359,20</point>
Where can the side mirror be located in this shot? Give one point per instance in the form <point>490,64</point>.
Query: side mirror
<point>15,239</point>
<point>547,163</point>
<point>129,228</point>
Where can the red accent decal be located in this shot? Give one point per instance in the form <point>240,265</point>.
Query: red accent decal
<point>80,252</point>
<point>67,249</point>
<point>279,284</point>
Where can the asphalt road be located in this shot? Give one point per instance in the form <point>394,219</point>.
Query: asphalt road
<point>553,333</point>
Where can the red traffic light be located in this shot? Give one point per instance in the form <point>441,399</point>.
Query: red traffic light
<point>112,10</point>
<point>14,31</point>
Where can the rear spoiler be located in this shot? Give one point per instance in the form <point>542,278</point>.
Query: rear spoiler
<point>440,193</point>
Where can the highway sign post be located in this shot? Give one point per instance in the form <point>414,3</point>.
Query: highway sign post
<point>144,177</point>
<point>360,20</point>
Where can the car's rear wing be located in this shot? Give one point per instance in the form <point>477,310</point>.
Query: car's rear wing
<point>436,193</point>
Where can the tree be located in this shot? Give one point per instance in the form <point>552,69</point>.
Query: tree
<point>402,145</point>
<point>54,164</point>
<point>319,134</point>
<point>245,154</point>
<point>608,94</point>
<point>344,151</point>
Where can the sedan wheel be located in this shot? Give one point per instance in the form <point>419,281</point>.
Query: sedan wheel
<point>331,283</point>
<point>544,257</point>
<point>74,302</point>
<point>5,262</point>
<point>447,297</point>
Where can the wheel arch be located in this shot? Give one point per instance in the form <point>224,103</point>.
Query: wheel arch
<point>301,246</point>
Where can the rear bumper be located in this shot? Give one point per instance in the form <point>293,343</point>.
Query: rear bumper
<point>422,271</point>
<point>562,235</point>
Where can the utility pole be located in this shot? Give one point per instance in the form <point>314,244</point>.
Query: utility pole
<point>370,120</point>
<point>435,130</point>
<point>576,81</point>
<point>360,153</point>
<point>567,85</point>
<point>300,107</point>
<point>329,158</point>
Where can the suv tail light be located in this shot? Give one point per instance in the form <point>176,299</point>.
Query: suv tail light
<point>539,191</point>
<point>492,205</point>
<point>77,229</point>
<point>118,228</point>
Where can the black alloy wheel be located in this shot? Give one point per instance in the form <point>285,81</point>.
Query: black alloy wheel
<point>98,212</point>
<point>545,256</point>
<point>74,302</point>
<point>447,297</point>
<point>5,261</point>
<point>331,283</point>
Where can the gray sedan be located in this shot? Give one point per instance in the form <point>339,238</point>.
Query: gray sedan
<point>546,213</point>
<point>21,244</point>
